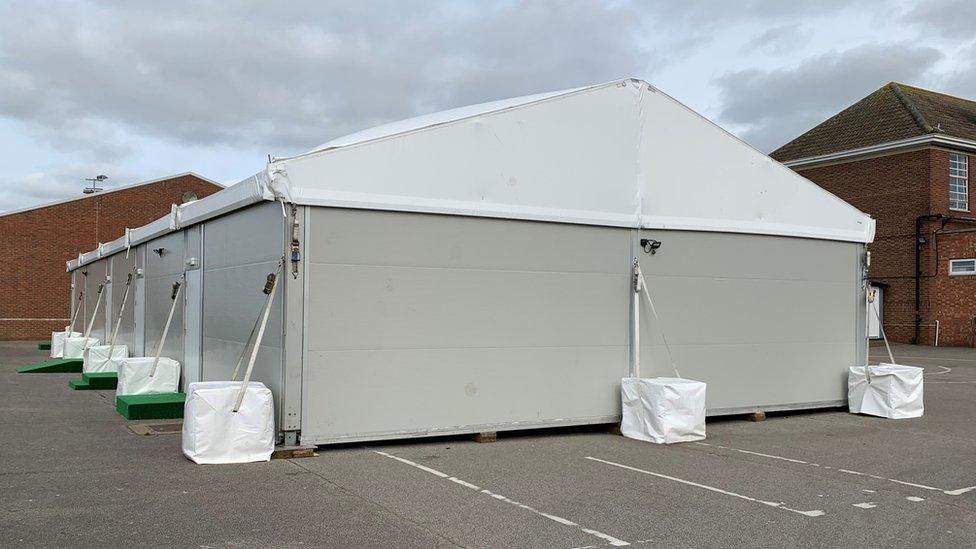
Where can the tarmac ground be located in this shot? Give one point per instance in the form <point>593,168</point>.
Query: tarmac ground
<point>75,473</point>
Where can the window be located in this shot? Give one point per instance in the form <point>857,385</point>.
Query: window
<point>962,267</point>
<point>958,182</point>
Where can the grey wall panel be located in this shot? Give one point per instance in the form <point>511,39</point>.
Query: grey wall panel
<point>96,275</point>
<point>193,305</point>
<point>77,289</point>
<point>447,323</point>
<point>240,250</point>
<point>161,271</point>
<point>765,321</point>
<point>122,266</point>
<point>138,347</point>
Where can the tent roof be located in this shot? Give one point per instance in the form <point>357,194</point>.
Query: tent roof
<point>436,119</point>
<point>619,154</point>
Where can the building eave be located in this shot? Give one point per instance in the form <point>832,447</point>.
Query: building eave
<point>884,148</point>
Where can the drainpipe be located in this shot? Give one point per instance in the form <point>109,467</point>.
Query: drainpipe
<point>918,260</point>
<point>918,271</point>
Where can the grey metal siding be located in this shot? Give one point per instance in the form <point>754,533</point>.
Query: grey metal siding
<point>240,250</point>
<point>421,323</point>
<point>122,266</point>
<point>161,271</point>
<point>766,321</point>
<point>96,275</point>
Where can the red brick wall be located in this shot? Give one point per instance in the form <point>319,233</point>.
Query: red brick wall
<point>895,189</point>
<point>34,246</point>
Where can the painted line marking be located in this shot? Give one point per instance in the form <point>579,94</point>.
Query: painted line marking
<point>638,542</point>
<point>958,492</point>
<point>866,505</point>
<point>914,498</point>
<point>605,537</point>
<point>881,356</point>
<point>780,505</point>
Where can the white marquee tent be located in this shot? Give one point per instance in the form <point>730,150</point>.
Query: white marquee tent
<point>471,270</point>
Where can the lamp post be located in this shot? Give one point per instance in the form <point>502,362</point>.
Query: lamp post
<point>92,190</point>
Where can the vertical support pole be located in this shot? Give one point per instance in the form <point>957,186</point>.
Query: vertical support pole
<point>294,288</point>
<point>632,324</point>
<point>635,304</point>
<point>139,303</point>
<point>867,326</point>
<point>866,288</point>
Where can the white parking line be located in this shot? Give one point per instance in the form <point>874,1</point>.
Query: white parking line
<point>605,537</point>
<point>957,492</point>
<point>780,505</point>
<point>900,357</point>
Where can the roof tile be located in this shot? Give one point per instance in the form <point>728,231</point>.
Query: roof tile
<point>892,113</point>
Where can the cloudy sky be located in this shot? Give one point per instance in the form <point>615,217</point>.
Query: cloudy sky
<point>141,90</point>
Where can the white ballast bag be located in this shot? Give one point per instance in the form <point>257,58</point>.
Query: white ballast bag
<point>57,342</point>
<point>98,359</point>
<point>134,376</point>
<point>662,410</point>
<point>213,433</point>
<point>74,347</point>
<point>895,391</point>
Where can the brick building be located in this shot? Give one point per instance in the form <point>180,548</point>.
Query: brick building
<point>36,242</point>
<point>902,154</point>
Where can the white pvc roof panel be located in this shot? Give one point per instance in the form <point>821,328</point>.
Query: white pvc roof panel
<point>88,257</point>
<point>618,154</point>
<point>696,176</point>
<point>150,231</point>
<point>435,119</point>
<point>621,154</point>
<point>112,247</point>
<point>569,157</point>
<point>247,192</point>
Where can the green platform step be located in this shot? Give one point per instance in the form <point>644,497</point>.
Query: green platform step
<point>95,381</point>
<point>79,384</point>
<point>164,406</point>
<point>43,345</point>
<point>53,366</point>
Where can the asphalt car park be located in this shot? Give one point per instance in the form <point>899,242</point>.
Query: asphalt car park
<point>75,473</point>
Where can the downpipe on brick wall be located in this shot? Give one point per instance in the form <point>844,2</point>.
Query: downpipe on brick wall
<point>919,240</point>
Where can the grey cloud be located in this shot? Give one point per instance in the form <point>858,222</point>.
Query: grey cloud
<point>723,12</point>
<point>289,79</point>
<point>57,183</point>
<point>772,107</point>
<point>781,39</point>
<point>961,81</point>
<point>944,18</point>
